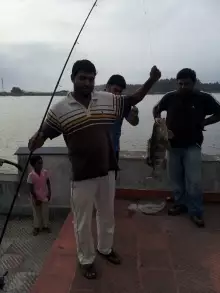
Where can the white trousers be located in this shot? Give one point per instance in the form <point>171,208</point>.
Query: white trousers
<point>84,195</point>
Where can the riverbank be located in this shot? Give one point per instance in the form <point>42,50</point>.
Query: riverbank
<point>25,94</point>
<point>160,88</point>
<point>48,94</point>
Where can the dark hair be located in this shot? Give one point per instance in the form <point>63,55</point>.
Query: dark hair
<point>83,65</point>
<point>118,80</point>
<point>34,160</point>
<point>186,73</point>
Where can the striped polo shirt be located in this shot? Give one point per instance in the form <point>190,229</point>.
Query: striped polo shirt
<point>86,132</point>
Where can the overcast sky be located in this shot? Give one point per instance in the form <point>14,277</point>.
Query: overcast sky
<point>122,36</point>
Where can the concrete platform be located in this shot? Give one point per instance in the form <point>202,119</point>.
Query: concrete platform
<point>161,254</point>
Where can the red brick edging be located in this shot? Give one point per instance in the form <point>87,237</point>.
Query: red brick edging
<point>138,194</point>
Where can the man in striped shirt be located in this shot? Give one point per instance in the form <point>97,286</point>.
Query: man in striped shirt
<point>84,118</point>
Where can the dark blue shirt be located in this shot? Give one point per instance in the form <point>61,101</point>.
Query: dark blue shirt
<point>116,130</point>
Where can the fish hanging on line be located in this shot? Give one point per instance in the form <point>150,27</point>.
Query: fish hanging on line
<point>157,147</point>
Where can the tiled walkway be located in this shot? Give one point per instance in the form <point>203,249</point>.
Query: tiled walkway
<point>22,254</point>
<point>161,254</point>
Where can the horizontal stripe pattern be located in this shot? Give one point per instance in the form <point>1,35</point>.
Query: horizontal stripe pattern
<point>53,121</point>
<point>69,116</point>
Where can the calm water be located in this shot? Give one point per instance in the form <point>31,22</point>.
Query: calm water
<point>20,117</point>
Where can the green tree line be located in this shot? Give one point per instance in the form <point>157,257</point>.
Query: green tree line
<point>166,85</point>
<point>161,87</point>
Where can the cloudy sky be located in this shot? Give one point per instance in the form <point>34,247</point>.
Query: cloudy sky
<point>122,36</point>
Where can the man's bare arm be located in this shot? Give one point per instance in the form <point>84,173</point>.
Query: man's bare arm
<point>213,109</point>
<point>161,106</point>
<point>156,112</point>
<point>212,119</point>
<point>139,95</point>
<point>39,138</point>
<point>50,129</point>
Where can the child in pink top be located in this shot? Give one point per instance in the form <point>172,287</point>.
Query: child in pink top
<point>40,193</point>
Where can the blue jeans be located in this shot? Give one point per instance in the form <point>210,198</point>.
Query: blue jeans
<point>185,173</point>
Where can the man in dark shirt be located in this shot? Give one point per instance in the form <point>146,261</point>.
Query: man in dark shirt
<point>84,118</point>
<point>187,109</point>
<point>116,85</point>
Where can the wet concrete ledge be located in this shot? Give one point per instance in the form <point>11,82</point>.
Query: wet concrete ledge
<point>133,177</point>
<point>133,181</point>
<point>23,151</point>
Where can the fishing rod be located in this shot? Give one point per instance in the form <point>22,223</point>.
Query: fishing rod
<point>42,122</point>
<point>3,161</point>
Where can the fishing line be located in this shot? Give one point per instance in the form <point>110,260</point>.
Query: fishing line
<point>147,13</point>
<point>42,122</point>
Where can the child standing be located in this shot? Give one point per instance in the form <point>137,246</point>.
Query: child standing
<point>40,193</point>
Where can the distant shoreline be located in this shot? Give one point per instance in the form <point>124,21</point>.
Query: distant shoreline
<point>42,94</point>
<point>160,88</point>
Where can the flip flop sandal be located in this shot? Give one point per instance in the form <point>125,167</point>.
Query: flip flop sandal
<point>112,257</point>
<point>88,271</point>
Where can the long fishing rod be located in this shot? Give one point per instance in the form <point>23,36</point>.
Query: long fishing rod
<point>42,122</point>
